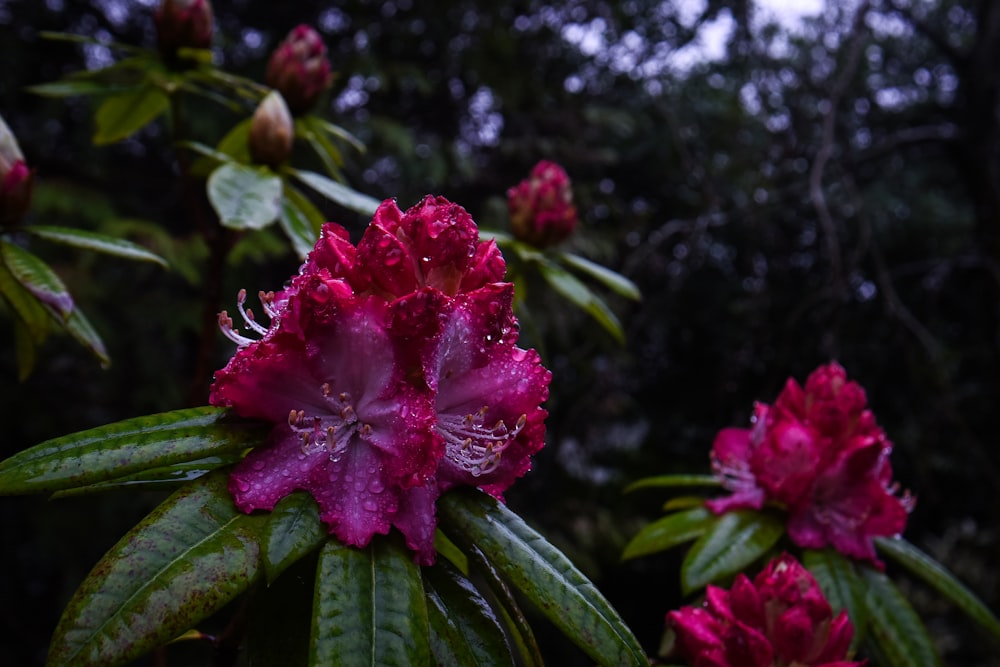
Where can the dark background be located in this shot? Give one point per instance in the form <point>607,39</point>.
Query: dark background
<point>832,193</point>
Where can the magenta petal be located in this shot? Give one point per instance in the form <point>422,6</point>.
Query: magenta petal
<point>416,520</point>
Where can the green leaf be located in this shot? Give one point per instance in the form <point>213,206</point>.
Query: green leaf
<point>337,192</point>
<point>672,481</point>
<point>293,530</point>
<point>729,546</point>
<point>683,503</point>
<point>894,626</point>
<point>126,447</point>
<point>123,114</point>
<point>187,559</point>
<point>336,131</point>
<point>305,127</point>
<point>25,305</point>
<point>670,531</point>
<point>83,332</point>
<point>611,279</point>
<point>236,143</point>
<point>298,221</point>
<point>842,585</point>
<point>103,243</point>
<point>245,197</point>
<point>369,607</point>
<point>580,295</point>
<point>542,574</point>
<point>36,277</point>
<point>167,477</point>
<point>944,582</point>
<point>510,614</point>
<point>72,87</point>
<point>464,628</point>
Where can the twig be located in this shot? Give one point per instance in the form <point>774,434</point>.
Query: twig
<point>826,150</point>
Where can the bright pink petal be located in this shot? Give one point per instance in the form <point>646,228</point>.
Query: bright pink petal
<point>731,453</point>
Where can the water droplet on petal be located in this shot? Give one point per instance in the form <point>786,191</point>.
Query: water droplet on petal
<point>376,486</point>
<point>242,485</point>
<point>369,505</point>
<point>258,465</point>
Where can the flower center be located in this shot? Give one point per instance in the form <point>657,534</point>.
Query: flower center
<point>332,431</point>
<point>471,444</point>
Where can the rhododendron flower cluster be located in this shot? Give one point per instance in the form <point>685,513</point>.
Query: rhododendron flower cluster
<point>391,372</point>
<point>819,453</point>
<point>299,69</point>
<point>779,619</point>
<point>541,206</point>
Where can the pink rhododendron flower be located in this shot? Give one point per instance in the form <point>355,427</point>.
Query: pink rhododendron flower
<point>299,69</point>
<point>391,372</point>
<point>541,206</point>
<point>779,619</point>
<point>819,452</point>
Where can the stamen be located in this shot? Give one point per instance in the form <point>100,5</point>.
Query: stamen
<point>226,326</point>
<point>473,446</point>
<point>248,315</point>
<point>267,303</point>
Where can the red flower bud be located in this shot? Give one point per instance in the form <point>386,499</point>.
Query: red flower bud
<point>183,24</point>
<point>16,179</point>
<point>299,69</point>
<point>271,131</point>
<point>541,206</point>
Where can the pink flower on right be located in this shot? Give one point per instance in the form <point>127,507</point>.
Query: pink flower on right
<point>779,619</point>
<point>541,206</point>
<point>819,453</point>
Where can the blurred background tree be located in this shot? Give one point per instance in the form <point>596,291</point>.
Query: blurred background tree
<point>782,193</point>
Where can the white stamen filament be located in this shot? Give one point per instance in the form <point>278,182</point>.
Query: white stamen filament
<point>331,431</point>
<point>226,322</point>
<point>471,444</point>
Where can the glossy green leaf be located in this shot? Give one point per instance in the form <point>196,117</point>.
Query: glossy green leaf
<point>611,279</point>
<point>167,477</point>
<point>79,327</point>
<point>516,625</point>
<point>672,481</point>
<point>669,531</point>
<point>298,221</point>
<point>336,131</point>
<point>245,197</point>
<point>187,559</point>
<point>944,582</point>
<point>842,585</point>
<point>369,607</point>
<point>328,153</point>
<point>293,530</point>
<point>581,296</point>
<point>464,628</point>
<point>124,448</point>
<point>25,305</point>
<point>729,546</point>
<point>123,114</point>
<point>445,547</point>
<point>894,626</point>
<point>102,243</point>
<point>542,574</point>
<point>72,88</point>
<point>683,503</point>
<point>236,142</point>
<point>338,192</point>
<point>36,277</point>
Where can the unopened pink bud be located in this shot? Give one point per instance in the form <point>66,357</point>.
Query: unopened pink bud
<point>541,206</point>
<point>183,24</point>
<point>16,179</point>
<point>299,69</point>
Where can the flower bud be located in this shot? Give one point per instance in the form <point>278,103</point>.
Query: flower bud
<point>541,206</point>
<point>183,24</point>
<point>271,131</point>
<point>299,69</point>
<point>16,179</point>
